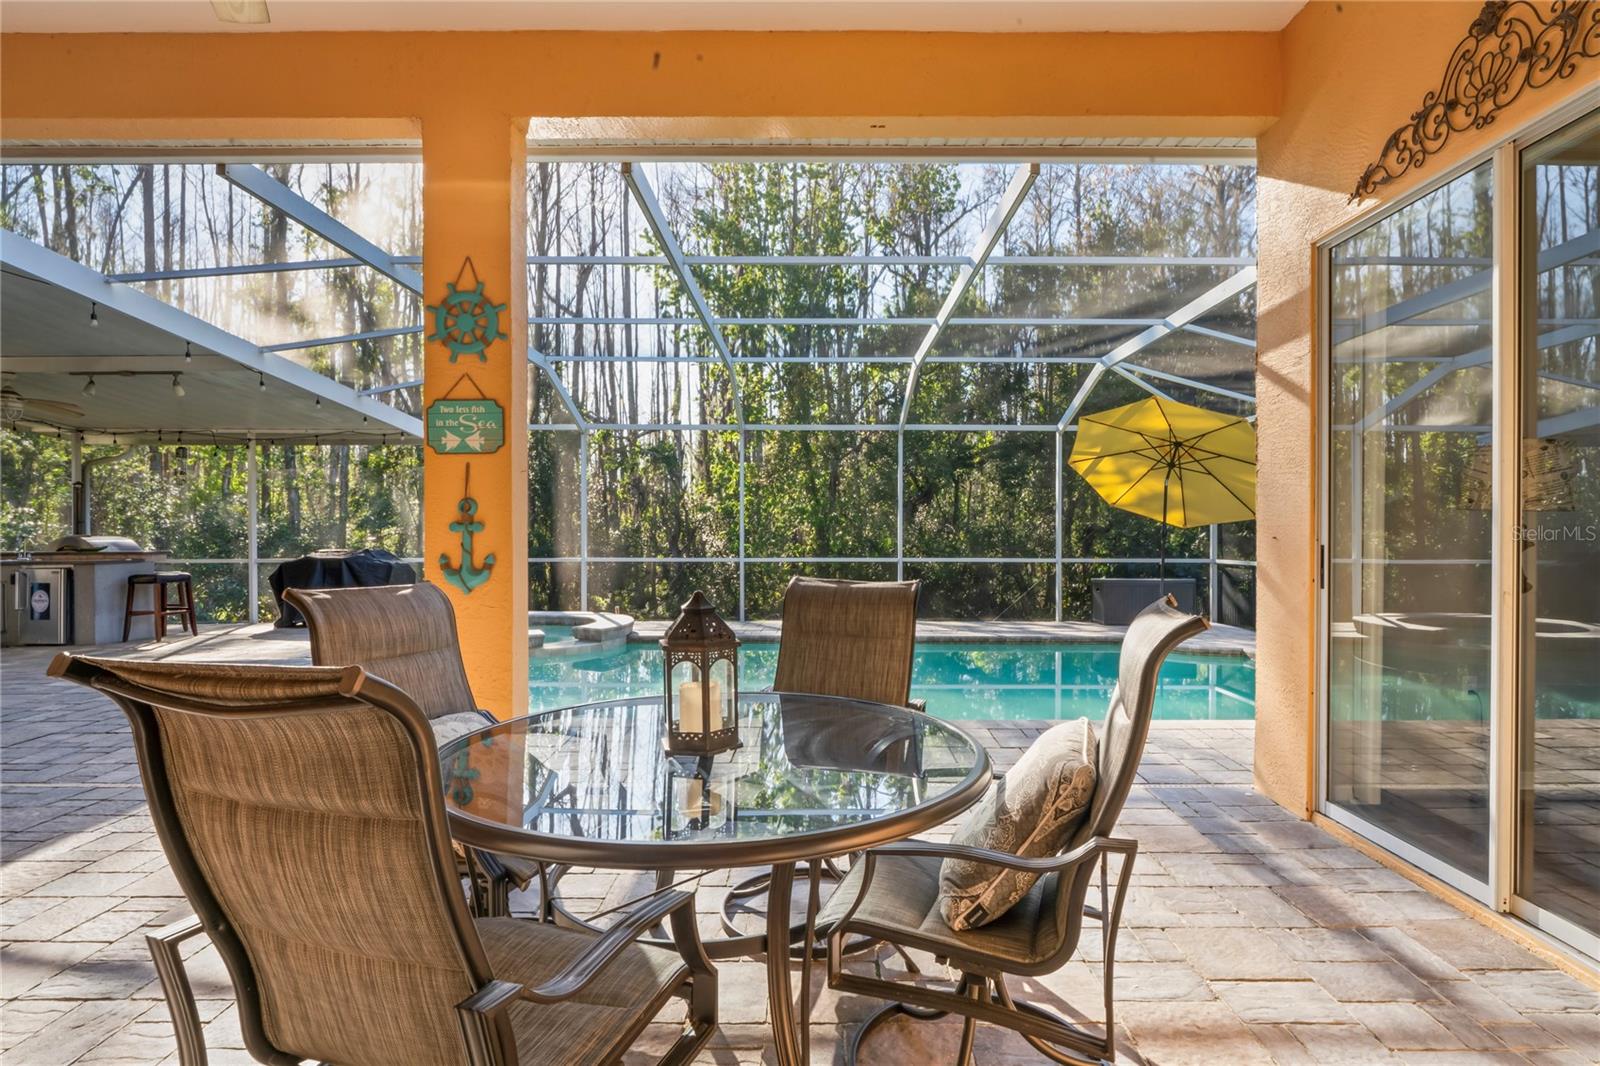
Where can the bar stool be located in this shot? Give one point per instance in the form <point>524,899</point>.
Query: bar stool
<point>162,605</point>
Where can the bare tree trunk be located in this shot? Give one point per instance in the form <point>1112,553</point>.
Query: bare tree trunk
<point>291,491</point>
<point>147,175</point>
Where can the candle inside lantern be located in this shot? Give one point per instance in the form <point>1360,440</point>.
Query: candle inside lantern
<point>695,714</point>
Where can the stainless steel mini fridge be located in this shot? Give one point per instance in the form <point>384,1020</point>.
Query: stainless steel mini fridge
<point>38,605</point>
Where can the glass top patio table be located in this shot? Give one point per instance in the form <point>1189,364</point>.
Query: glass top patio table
<point>814,776</point>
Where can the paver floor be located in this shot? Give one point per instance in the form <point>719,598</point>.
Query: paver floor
<point>1249,936</point>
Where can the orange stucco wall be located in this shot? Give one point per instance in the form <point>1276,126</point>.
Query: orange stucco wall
<point>176,85</point>
<point>1352,73</point>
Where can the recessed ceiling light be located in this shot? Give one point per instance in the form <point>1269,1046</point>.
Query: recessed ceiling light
<point>247,12</point>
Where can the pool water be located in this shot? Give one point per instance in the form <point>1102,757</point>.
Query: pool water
<point>556,634</point>
<point>961,681</point>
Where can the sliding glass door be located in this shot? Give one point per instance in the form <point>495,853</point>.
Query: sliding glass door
<point>1408,574</point>
<point>1462,472</point>
<point>1558,854</point>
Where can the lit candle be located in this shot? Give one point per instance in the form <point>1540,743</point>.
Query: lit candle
<point>693,712</point>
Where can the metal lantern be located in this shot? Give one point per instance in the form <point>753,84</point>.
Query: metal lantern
<point>700,659</point>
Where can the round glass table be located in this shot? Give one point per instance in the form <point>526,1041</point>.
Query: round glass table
<point>813,777</point>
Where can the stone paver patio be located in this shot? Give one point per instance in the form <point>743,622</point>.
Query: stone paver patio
<point>1249,937</point>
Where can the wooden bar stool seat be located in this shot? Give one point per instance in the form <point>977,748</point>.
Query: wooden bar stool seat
<point>162,604</point>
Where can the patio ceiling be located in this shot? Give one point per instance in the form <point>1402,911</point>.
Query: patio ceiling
<point>992,16</point>
<point>135,349</point>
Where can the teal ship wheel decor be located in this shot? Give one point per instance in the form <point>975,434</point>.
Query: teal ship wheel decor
<point>466,320</point>
<point>469,575</point>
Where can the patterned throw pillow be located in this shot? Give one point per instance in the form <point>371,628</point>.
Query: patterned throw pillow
<point>1032,811</point>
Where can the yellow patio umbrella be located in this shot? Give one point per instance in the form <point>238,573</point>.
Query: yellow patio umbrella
<point>1178,464</point>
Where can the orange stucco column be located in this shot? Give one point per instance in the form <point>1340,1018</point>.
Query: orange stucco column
<point>473,200</point>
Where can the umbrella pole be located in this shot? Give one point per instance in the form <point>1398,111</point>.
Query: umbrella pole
<point>1163,571</point>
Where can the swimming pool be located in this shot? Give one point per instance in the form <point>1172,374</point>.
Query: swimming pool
<point>961,681</point>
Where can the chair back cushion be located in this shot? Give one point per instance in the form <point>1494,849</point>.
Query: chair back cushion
<point>306,826</point>
<point>848,638</point>
<point>405,634</point>
<point>1032,811</point>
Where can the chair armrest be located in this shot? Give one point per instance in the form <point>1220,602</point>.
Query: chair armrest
<point>1043,865</point>
<point>486,1037</point>
<point>917,705</point>
<point>628,928</point>
<point>1087,851</point>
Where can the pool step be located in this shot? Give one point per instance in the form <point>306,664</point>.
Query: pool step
<point>588,627</point>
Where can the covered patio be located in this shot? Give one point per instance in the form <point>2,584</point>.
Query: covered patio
<point>743,411</point>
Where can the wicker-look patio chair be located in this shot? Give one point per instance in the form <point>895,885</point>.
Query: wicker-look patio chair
<point>301,810</point>
<point>406,634</point>
<point>849,638</point>
<point>892,893</point>
<point>853,639</point>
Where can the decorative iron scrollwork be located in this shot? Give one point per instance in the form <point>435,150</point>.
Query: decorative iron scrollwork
<point>1509,47</point>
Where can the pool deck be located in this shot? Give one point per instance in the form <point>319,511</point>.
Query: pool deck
<point>1249,937</point>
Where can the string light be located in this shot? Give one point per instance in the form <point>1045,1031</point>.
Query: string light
<point>88,386</point>
<point>319,401</point>
<point>188,356</point>
<point>177,385</point>
<point>94,317</point>
<point>261,382</point>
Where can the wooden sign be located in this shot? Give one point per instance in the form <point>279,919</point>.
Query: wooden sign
<point>461,426</point>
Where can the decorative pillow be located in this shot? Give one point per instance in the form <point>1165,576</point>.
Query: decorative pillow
<point>1032,811</point>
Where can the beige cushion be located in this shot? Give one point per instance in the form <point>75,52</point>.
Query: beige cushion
<point>1031,812</point>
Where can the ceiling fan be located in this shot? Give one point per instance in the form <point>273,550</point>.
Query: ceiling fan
<point>15,407</point>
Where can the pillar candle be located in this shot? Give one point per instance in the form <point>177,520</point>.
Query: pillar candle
<point>690,708</point>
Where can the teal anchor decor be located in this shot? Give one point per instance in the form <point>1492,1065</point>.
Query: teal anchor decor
<point>466,320</point>
<point>468,575</point>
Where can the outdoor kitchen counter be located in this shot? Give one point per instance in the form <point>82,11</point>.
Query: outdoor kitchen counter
<point>99,589</point>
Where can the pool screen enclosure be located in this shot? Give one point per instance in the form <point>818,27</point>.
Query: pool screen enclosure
<point>869,369</point>
<point>744,369</point>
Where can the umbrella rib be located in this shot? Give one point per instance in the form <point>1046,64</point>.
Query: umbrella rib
<point>1247,506</point>
<point>1132,485</point>
<point>1111,455</point>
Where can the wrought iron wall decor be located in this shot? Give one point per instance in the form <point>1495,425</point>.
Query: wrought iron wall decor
<point>1509,47</point>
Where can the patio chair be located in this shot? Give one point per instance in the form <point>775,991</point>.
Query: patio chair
<point>849,638</point>
<point>853,639</point>
<point>406,634</point>
<point>301,810</point>
<point>892,893</point>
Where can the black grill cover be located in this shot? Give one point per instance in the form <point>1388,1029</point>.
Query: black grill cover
<point>331,570</point>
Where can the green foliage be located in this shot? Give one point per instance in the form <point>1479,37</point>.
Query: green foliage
<point>817,493</point>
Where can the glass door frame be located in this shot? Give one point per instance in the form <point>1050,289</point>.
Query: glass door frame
<point>1506,659</point>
